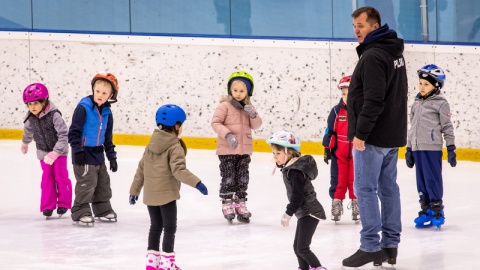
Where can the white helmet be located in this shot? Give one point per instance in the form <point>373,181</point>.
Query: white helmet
<point>286,139</point>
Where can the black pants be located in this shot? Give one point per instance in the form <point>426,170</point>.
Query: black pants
<point>306,227</point>
<point>162,218</point>
<point>235,175</point>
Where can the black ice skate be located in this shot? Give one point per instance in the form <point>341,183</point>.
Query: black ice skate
<point>391,256</point>
<point>361,258</point>
<point>47,213</point>
<point>61,211</point>
<point>109,216</point>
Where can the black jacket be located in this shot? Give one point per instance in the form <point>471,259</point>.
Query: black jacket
<point>377,95</point>
<point>298,175</point>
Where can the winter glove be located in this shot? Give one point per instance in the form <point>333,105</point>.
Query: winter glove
<point>24,148</point>
<point>409,158</point>
<point>252,113</point>
<point>133,199</point>
<point>113,165</point>
<point>50,158</point>
<point>80,158</point>
<point>202,188</point>
<point>452,156</point>
<point>232,140</point>
<point>327,155</point>
<point>285,220</point>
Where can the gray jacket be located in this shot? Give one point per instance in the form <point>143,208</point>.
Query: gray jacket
<point>430,118</point>
<point>49,131</point>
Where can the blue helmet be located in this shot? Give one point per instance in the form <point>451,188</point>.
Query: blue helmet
<point>286,139</point>
<point>430,72</point>
<point>170,114</point>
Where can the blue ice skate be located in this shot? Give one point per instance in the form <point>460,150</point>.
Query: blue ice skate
<point>438,220</point>
<point>424,219</point>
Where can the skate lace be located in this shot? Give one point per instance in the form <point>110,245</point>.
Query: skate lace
<point>354,206</point>
<point>337,208</point>
<point>242,209</point>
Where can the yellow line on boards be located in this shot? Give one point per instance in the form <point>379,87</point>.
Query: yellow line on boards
<point>311,148</point>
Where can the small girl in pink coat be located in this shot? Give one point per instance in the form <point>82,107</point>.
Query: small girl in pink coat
<point>233,121</point>
<point>45,125</point>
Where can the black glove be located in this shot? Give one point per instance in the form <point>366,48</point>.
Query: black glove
<point>113,165</point>
<point>452,156</point>
<point>133,199</point>
<point>409,158</point>
<point>327,155</point>
<point>80,158</point>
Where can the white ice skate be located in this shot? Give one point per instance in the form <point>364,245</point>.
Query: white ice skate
<point>337,209</point>
<point>110,217</point>
<point>85,220</point>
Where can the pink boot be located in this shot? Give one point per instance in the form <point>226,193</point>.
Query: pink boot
<point>167,262</point>
<point>318,268</point>
<point>153,260</point>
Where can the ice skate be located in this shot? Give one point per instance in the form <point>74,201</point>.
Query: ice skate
<point>316,268</point>
<point>361,258</point>
<point>337,209</point>
<point>355,212</point>
<point>86,220</point>
<point>243,215</point>
<point>438,217</point>
<point>47,214</point>
<point>424,216</point>
<point>153,260</point>
<point>109,216</point>
<point>167,262</point>
<point>228,209</point>
<point>61,211</point>
<point>391,257</point>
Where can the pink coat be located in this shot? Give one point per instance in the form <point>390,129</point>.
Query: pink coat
<point>228,119</point>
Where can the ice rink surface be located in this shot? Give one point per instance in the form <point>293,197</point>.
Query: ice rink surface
<point>204,239</point>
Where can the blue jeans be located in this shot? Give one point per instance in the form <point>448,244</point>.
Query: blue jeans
<point>376,178</point>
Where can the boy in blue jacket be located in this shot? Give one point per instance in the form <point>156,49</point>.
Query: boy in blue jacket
<point>89,136</point>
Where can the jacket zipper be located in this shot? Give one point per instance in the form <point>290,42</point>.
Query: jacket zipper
<point>101,126</point>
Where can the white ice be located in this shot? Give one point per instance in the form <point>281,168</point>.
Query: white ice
<point>204,240</point>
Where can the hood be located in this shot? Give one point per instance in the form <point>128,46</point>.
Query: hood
<point>305,164</point>
<point>385,39</point>
<point>161,141</point>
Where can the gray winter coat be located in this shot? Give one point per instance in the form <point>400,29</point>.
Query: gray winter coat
<point>48,130</point>
<point>430,118</point>
<point>310,205</point>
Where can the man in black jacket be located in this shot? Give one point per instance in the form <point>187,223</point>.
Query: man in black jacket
<point>377,115</point>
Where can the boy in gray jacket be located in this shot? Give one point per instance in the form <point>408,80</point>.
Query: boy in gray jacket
<point>430,118</point>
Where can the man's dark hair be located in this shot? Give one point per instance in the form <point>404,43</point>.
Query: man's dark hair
<point>373,16</point>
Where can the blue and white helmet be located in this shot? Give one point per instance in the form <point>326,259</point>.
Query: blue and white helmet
<point>432,71</point>
<point>286,139</point>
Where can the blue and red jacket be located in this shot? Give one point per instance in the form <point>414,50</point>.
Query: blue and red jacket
<point>336,134</point>
<point>91,132</point>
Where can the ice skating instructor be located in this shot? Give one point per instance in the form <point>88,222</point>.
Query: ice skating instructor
<point>377,115</point>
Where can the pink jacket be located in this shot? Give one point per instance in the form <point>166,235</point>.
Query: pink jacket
<point>228,119</point>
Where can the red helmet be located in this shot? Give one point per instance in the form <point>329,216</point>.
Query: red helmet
<point>344,82</point>
<point>110,78</point>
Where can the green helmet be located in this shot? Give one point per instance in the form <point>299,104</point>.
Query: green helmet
<point>244,77</point>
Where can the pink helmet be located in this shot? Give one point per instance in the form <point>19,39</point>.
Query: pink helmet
<point>35,92</point>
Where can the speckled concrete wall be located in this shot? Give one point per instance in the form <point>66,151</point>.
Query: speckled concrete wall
<point>294,80</point>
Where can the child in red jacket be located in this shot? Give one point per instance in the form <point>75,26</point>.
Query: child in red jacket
<point>339,150</point>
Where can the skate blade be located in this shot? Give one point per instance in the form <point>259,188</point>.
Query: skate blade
<point>84,224</point>
<point>366,267</point>
<point>106,220</point>
<point>421,226</point>
<point>243,220</point>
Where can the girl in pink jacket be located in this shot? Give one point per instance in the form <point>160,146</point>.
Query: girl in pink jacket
<point>233,121</point>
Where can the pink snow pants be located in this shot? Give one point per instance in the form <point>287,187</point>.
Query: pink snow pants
<point>56,186</point>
